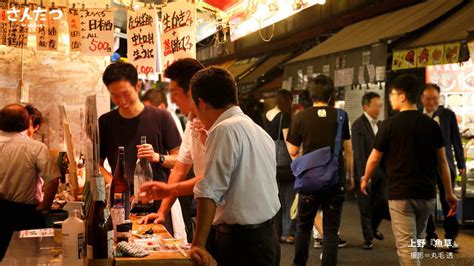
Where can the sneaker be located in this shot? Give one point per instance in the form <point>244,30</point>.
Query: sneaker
<point>342,243</point>
<point>318,243</point>
<point>368,244</point>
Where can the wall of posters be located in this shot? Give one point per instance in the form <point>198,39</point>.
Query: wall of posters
<point>178,38</point>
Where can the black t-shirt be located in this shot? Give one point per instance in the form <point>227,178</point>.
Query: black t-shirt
<point>316,128</point>
<point>409,141</point>
<point>158,127</point>
<point>272,127</point>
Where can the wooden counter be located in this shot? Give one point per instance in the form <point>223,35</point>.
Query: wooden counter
<point>45,251</point>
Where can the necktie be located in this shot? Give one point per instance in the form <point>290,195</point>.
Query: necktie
<point>375,127</point>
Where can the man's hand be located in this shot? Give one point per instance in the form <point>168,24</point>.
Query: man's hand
<point>156,218</point>
<point>350,183</point>
<point>462,171</point>
<point>364,184</point>
<point>453,204</point>
<point>201,257</point>
<point>154,190</point>
<point>146,151</point>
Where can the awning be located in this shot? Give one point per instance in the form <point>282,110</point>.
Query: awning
<point>263,68</point>
<point>241,66</point>
<point>381,28</point>
<point>453,28</point>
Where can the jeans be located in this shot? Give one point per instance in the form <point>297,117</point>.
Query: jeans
<point>283,223</point>
<point>450,224</point>
<point>308,205</point>
<point>409,219</point>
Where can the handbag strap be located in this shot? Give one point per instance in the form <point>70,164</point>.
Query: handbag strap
<point>340,123</point>
<point>279,127</point>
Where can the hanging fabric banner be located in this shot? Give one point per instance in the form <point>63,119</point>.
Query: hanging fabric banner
<point>97,31</point>
<point>178,38</point>
<point>142,42</point>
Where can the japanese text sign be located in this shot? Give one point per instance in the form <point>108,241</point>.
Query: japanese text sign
<point>142,43</point>
<point>74,24</point>
<point>178,38</point>
<point>97,31</point>
<point>47,34</point>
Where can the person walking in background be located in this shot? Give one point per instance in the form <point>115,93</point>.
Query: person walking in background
<point>157,98</point>
<point>315,128</point>
<point>452,137</point>
<point>412,147</point>
<point>374,205</point>
<point>36,119</point>
<point>276,124</point>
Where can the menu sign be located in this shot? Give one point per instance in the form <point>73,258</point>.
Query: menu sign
<point>142,32</point>
<point>426,56</point>
<point>3,21</point>
<point>74,23</point>
<point>178,37</point>
<point>47,34</point>
<point>97,31</point>
<point>17,30</point>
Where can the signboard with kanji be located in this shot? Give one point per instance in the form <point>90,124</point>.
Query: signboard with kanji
<point>17,28</point>
<point>3,21</point>
<point>178,38</point>
<point>47,33</point>
<point>142,41</point>
<point>74,24</point>
<point>97,31</point>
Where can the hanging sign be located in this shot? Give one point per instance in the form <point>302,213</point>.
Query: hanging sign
<point>3,21</point>
<point>426,56</point>
<point>74,24</point>
<point>97,31</point>
<point>178,38</point>
<point>17,28</point>
<point>47,33</point>
<point>142,43</point>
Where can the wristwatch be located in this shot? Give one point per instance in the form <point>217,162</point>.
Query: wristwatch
<point>162,159</point>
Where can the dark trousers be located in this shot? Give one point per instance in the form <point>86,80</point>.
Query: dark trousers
<point>450,224</point>
<point>240,246</point>
<point>308,205</point>
<point>17,217</point>
<point>286,193</point>
<point>373,208</point>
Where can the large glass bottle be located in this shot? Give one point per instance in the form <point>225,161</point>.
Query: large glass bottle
<point>143,173</point>
<point>121,182</point>
<point>99,229</point>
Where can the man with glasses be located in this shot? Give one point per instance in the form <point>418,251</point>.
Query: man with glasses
<point>450,131</point>
<point>413,150</point>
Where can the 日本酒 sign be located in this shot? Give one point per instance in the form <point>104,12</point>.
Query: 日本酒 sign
<point>178,38</point>
<point>97,31</point>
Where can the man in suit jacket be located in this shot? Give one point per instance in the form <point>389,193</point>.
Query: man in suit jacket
<point>373,207</point>
<point>450,130</point>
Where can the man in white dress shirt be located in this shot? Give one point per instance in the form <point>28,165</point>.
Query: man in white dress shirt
<point>238,195</point>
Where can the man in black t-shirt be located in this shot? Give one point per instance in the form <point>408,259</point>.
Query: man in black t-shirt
<point>315,128</point>
<point>412,147</point>
<point>125,125</point>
